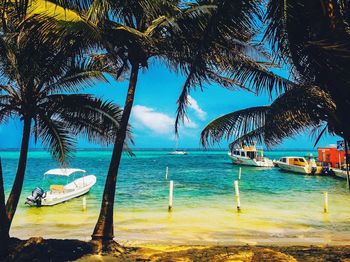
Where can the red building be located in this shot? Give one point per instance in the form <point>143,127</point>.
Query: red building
<point>331,155</point>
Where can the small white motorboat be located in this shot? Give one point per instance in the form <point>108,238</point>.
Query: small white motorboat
<point>178,152</point>
<point>62,193</point>
<point>249,156</point>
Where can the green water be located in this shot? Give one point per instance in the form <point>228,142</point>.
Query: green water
<point>276,206</point>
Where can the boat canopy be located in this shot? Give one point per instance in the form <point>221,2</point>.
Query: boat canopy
<point>64,171</point>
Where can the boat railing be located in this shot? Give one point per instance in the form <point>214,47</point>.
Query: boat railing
<point>261,158</point>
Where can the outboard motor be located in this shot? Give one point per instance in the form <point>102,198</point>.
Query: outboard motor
<point>327,171</point>
<point>37,195</point>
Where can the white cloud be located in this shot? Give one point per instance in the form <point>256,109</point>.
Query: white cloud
<point>194,105</point>
<point>189,123</point>
<point>158,122</point>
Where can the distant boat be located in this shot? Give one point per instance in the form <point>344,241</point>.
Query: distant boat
<point>61,193</point>
<point>302,165</point>
<point>249,156</point>
<point>178,152</point>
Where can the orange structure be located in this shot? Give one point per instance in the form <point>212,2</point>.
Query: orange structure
<point>331,155</point>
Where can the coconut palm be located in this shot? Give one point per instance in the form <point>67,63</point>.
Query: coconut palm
<point>314,38</point>
<point>199,39</point>
<point>4,236</point>
<point>38,85</point>
<point>207,41</point>
<point>291,113</point>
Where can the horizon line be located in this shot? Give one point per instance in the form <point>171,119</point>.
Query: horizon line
<point>157,148</point>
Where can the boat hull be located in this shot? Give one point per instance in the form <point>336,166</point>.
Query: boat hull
<point>178,153</point>
<point>84,186</point>
<point>340,173</point>
<point>293,168</point>
<point>307,170</point>
<point>246,161</point>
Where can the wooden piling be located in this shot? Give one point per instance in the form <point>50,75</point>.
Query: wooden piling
<point>238,200</point>
<point>84,203</point>
<point>325,202</point>
<point>171,191</point>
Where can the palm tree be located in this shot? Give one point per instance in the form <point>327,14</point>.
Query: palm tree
<point>4,236</point>
<point>314,38</point>
<point>207,41</point>
<point>37,84</point>
<point>291,113</point>
<point>201,40</point>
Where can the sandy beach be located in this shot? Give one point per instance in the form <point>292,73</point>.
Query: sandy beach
<point>38,249</point>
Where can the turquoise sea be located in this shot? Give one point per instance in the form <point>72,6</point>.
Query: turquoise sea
<point>277,207</point>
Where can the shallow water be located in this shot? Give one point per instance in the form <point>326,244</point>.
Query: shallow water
<point>277,207</point>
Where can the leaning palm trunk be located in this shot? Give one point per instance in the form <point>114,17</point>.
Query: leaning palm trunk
<point>104,231</point>
<point>12,201</point>
<point>347,161</point>
<point>4,235</point>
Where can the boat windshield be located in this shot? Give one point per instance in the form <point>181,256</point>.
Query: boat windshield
<point>251,154</point>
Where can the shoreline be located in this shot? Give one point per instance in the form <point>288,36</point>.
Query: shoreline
<point>236,241</point>
<point>76,250</point>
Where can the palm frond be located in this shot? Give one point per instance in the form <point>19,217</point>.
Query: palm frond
<point>291,113</point>
<point>217,50</point>
<point>254,136</point>
<point>56,137</point>
<point>318,132</point>
<point>87,115</point>
<point>81,73</point>
<point>235,124</point>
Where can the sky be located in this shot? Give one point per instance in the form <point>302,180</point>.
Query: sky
<point>154,113</point>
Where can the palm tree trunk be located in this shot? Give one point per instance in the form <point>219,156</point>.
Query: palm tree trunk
<point>104,231</point>
<point>4,235</point>
<point>347,162</point>
<point>12,201</point>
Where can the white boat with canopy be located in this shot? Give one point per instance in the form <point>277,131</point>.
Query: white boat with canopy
<point>249,156</point>
<point>59,193</point>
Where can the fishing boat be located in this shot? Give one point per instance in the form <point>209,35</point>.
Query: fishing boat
<point>249,156</point>
<point>61,193</point>
<point>302,165</point>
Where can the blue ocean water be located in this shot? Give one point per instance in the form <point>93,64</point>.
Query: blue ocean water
<point>276,205</point>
